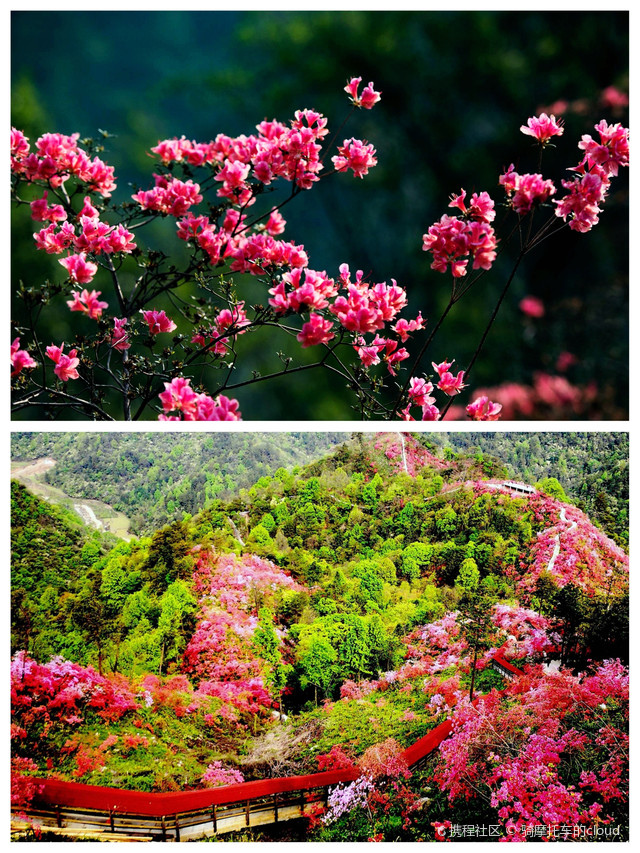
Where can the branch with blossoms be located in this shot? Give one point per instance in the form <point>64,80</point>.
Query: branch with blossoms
<point>168,337</point>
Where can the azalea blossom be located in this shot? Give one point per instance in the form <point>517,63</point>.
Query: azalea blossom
<point>41,212</point>
<point>178,396</point>
<point>356,155</point>
<point>525,191</point>
<point>454,240</point>
<point>158,322</point>
<point>543,127</point>
<point>369,96</point>
<point>448,383</point>
<point>419,391</point>
<point>316,331</point>
<point>611,152</point>
<point>451,384</point>
<point>88,303</point>
<point>120,337</point>
<point>65,363</point>
<point>482,409</point>
<point>81,271</point>
<point>20,358</point>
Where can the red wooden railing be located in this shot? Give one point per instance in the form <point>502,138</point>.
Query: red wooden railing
<point>124,805</point>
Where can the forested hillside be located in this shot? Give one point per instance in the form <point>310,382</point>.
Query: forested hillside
<point>329,617</point>
<point>156,478</point>
<point>592,468</point>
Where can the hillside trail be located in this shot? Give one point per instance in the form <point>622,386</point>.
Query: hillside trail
<point>404,452</point>
<point>556,547</point>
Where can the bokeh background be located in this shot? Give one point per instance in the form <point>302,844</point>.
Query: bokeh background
<point>456,86</point>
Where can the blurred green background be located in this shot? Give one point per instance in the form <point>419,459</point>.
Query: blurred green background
<point>456,86</point>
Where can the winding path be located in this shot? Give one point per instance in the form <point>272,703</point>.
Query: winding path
<point>404,452</point>
<point>556,546</point>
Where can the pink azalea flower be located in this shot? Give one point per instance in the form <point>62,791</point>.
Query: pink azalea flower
<point>65,364</point>
<point>178,396</point>
<point>88,209</point>
<point>543,127</point>
<point>41,212</point>
<point>220,409</point>
<point>525,191</point>
<point>451,384</point>
<point>81,271</point>
<point>404,327</point>
<point>613,149</point>
<point>581,204</point>
<point>55,240</point>
<point>453,240</point>
<point>88,303</point>
<point>19,145</point>
<point>481,207</point>
<point>158,322</point>
<point>532,306</point>
<point>316,331</point>
<point>119,336</point>
<point>419,391</point>
<point>369,354</point>
<point>430,412</point>
<point>357,155</point>
<point>20,358</point>
<point>369,95</point>
<point>482,409</point>
<point>394,355</point>
<point>443,367</point>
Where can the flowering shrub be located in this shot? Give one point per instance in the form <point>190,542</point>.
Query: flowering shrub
<point>44,695</point>
<point>523,753</point>
<point>221,653</point>
<point>23,786</point>
<point>335,759</point>
<point>184,363</point>
<point>216,775</point>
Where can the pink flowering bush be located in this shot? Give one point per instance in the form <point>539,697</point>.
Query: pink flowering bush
<point>216,775</point>
<point>523,751</point>
<point>221,655</point>
<point>573,550</point>
<point>156,337</point>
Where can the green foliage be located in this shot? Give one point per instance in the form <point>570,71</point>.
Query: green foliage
<point>154,480</point>
<point>550,486</point>
<point>415,558</point>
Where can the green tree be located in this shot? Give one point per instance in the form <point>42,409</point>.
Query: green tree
<point>551,487</point>
<point>175,623</point>
<point>317,657</point>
